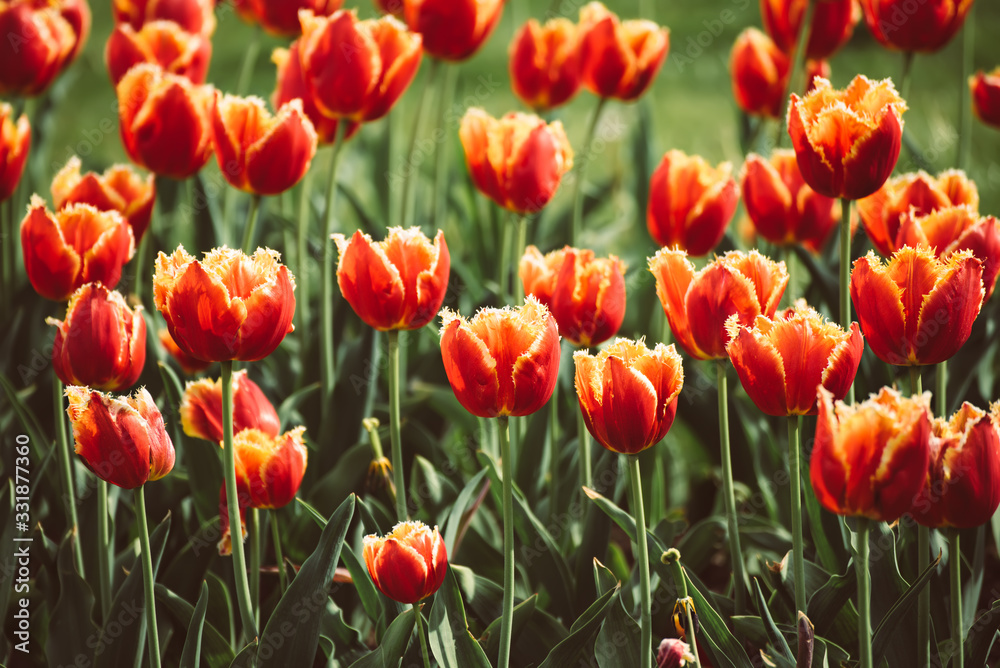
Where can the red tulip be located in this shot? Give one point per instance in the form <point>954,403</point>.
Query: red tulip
<point>847,141</point>
<point>832,24</point>
<point>119,189</point>
<point>620,59</point>
<point>517,161</point>
<point>870,459</point>
<point>194,16</point>
<point>545,63</point>
<point>915,26</point>
<point>122,440</point>
<point>226,307</point>
<point>162,43</point>
<point>502,361</point>
<point>690,202</point>
<point>453,29</point>
<point>101,343</point>
<point>291,86</point>
<point>188,364</point>
<point>986,96</point>
<point>917,309</point>
<point>15,140</point>
<point>75,245</point>
<point>40,39</point>
<point>409,564</point>
<point>281,17</point>
<point>699,304</point>
<point>201,409</point>
<point>398,283</point>
<point>760,73</point>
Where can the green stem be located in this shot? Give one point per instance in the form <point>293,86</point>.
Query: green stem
<point>420,634</point>
<point>942,389</point>
<point>642,563</point>
<point>923,600</point>
<point>140,265</point>
<point>6,265</point>
<point>507,616</point>
<point>249,61</point>
<point>278,554</point>
<point>581,174</point>
<point>791,266</point>
<point>67,469</point>
<point>326,283</point>
<point>916,387</point>
<point>864,595</point>
<point>104,550</point>
<point>147,578</point>
<point>583,442</point>
<point>735,551</point>
<point>504,278</point>
<point>845,274</point>
<point>522,240</point>
<point>302,313</point>
<point>955,569</point>
<point>395,439</point>
<point>251,225</point>
<point>964,108</point>
<point>410,167</point>
<point>795,474</point>
<point>441,161</point>
<point>904,79</point>
<point>554,472</point>
<point>254,536</point>
<point>232,503</point>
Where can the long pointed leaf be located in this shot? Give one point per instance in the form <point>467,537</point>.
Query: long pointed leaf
<point>449,636</point>
<point>191,654</point>
<point>394,642</point>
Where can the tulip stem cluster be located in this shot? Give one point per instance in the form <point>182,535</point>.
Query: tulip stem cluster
<point>507,615</point>
<point>67,469</point>
<point>395,438</point>
<point>104,549</point>
<point>864,594</point>
<point>420,634</point>
<point>581,174</point>
<point>955,571</point>
<point>795,475</point>
<point>327,280</point>
<point>735,551</point>
<point>252,214</point>
<point>642,562</point>
<point>147,577</point>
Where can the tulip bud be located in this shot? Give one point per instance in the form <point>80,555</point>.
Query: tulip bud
<point>40,39</point>
<point>832,24</point>
<point>453,29</point>
<point>282,17</point>
<point>162,43</point>
<point>986,96</point>
<point>620,59</point>
<point>760,73</point>
<point>409,564</point>
<point>201,409</point>
<point>193,16</point>
<point>545,63</point>
<point>915,26</point>
<point>119,188</point>
<point>15,140</point>
<point>291,86</point>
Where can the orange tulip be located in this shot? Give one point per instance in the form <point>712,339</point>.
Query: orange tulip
<point>783,208</point>
<point>282,17</point>
<point>585,294</point>
<point>760,73</point>
<point>162,43</point>
<point>356,70</point>
<point>201,409</point>
<point>15,140</point>
<point>917,309</point>
<point>101,343</point>
<point>226,307</point>
<point>699,304</point>
<point>257,152</point>
<point>870,459</point>
<point>193,16</point>
<point>832,24</point>
<point>847,141</point>
<point>517,161</point>
<point>620,59</point>
<point>409,564</point>
<point>502,361</point>
<point>545,63</point>
<point>782,360</point>
<point>188,364</point>
<point>398,283</point>
<point>915,26</point>
<point>690,202</point>
<point>164,120</point>
<point>453,29</point>
<point>919,192</point>
<point>122,440</point>
<point>291,85</point>
<point>628,393</point>
<point>40,39</point>
<point>986,96</point>
<point>75,245</point>
<point>119,189</point>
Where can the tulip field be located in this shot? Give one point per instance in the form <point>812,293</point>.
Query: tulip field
<point>499,333</point>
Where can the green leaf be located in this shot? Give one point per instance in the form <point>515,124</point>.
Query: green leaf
<point>394,642</point>
<point>212,646</point>
<point>71,613</point>
<point>313,513</point>
<point>982,636</point>
<point>774,636</point>
<point>523,612</point>
<point>578,645</point>
<point>293,400</point>
<point>885,630</point>
<point>191,654</point>
<point>452,644</point>
<point>247,658</point>
<point>726,651</point>
<point>454,523</point>
<point>369,595</point>
<point>619,644</point>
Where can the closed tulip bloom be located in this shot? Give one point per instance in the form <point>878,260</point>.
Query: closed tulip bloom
<point>291,86</point>
<point>760,72</point>
<point>699,304</point>
<point>917,309</point>
<point>101,343</point>
<point>409,564</point>
<point>870,459</point>
<point>919,192</point>
<point>690,202</point>
<point>673,653</point>
<point>962,487</point>
<point>162,43</point>
<point>257,152</point>
<point>15,140</point>
<point>502,361</point>
<point>194,16</point>
<point>398,283</point>
<point>832,24</point>
<point>517,161</point>
<point>847,141</point>
<point>453,29</point>
<point>783,208</point>
<point>188,364</point>
<point>228,306</point>
<point>782,360</point>
<point>545,63</point>
<point>281,17</point>
<point>201,408</point>
<point>620,59</point>
<point>986,96</point>
<point>119,189</point>
<point>40,40</point>
<point>356,70</point>
<point>73,246</point>
<point>121,439</point>
<point>921,26</point>
<point>628,393</point>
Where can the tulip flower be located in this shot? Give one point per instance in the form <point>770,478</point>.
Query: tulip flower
<point>40,40</point>
<point>986,96</point>
<point>282,18</point>
<point>760,73</point>
<point>673,653</point>
<point>921,193</point>
<point>409,564</point>
<point>699,304</point>
<point>188,364</point>
<point>394,7</point>
<point>226,307</point>
<point>690,202</point>
<point>162,43</point>
<point>101,343</point>
<point>15,140</point>
<point>193,16</point>
<point>545,63</point>
<point>619,59</point>
<point>201,409</point>
<point>919,26</point>
<point>119,188</point>
<point>291,85</point>
<point>394,284</point>
<point>73,246</point>
<point>783,208</point>
<point>832,24</point>
<point>917,309</point>
<point>257,152</point>
<point>517,161</point>
<point>122,440</point>
<point>453,29</point>
<point>586,295</point>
